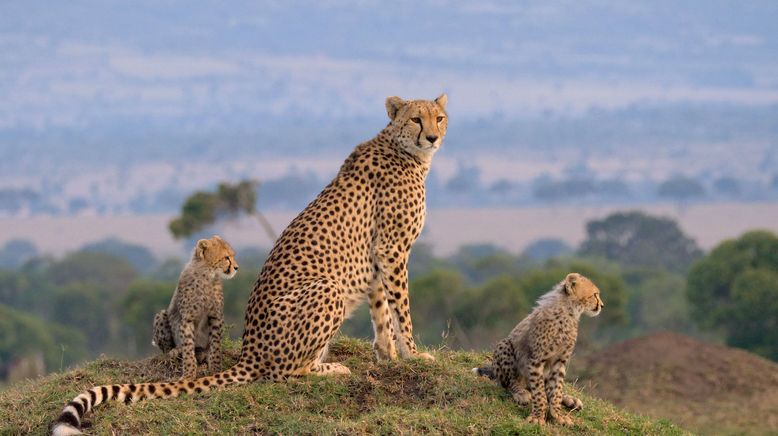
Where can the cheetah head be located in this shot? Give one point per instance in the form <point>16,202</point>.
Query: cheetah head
<point>419,125</point>
<point>218,255</point>
<point>584,294</point>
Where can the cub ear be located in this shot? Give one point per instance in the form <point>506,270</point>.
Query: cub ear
<point>570,282</point>
<point>393,105</point>
<point>202,245</point>
<point>442,101</point>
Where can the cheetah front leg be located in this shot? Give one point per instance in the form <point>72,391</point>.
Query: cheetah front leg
<point>383,324</point>
<point>186,336</point>
<point>394,280</point>
<point>214,358</point>
<point>537,389</point>
<point>519,392</point>
<point>554,384</point>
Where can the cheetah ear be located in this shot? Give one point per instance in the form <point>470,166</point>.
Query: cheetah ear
<point>202,245</point>
<point>442,101</point>
<point>570,282</point>
<point>393,105</point>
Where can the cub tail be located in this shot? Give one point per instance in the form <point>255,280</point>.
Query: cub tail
<point>69,421</point>
<point>484,371</point>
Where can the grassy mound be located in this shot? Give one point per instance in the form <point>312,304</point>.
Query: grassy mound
<point>403,397</point>
<point>707,388</point>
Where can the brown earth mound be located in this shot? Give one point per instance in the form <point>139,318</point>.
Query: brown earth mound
<point>703,387</point>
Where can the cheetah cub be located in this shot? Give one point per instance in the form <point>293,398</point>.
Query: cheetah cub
<point>530,362</point>
<point>192,325</point>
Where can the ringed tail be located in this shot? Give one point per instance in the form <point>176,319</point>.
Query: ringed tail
<point>69,421</point>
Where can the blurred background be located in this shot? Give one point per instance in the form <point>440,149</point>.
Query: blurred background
<point>634,142</point>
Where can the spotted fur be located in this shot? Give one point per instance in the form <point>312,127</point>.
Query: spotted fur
<point>349,244</point>
<point>191,327</point>
<point>530,362</point>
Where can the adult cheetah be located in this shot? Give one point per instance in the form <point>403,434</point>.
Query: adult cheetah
<point>349,244</point>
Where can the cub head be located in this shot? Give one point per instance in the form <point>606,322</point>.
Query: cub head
<point>218,255</point>
<point>584,294</point>
<point>419,125</point>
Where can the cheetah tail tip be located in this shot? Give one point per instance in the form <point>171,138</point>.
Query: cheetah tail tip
<point>64,429</point>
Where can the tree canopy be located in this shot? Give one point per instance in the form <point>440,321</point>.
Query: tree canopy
<point>640,240</point>
<point>735,289</point>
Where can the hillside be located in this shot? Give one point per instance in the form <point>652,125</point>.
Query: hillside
<point>404,397</point>
<point>703,387</point>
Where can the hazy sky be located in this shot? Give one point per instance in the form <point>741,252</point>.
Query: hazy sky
<point>179,63</point>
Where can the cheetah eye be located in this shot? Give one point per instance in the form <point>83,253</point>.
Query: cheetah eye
<point>440,119</point>
<point>416,120</point>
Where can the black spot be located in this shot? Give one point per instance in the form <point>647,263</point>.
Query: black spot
<point>116,389</point>
<point>104,391</point>
<point>93,397</point>
<point>167,392</point>
<point>152,388</point>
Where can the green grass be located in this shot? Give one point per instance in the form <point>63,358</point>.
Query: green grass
<point>402,397</point>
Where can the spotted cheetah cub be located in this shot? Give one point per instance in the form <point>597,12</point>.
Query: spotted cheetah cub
<point>530,362</point>
<point>192,325</point>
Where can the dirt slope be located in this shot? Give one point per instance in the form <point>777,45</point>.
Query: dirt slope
<point>706,388</point>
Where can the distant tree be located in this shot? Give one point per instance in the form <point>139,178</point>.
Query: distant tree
<point>202,209</point>
<point>434,297</point>
<point>735,289</point>
<point>90,309</point>
<point>613,188</point>
<point>680,189</point>
<point>544,249</point>
<point>136,309</point>
<point>727,186</point>
<point>108,272</point>
<point>139,256</point>
<point>16,252</point>
<point>495,306</point>
<point>656,301</point>
<point>641,240</point>
<point>481,261</point>
<point>501,187</point>
<point>466,179</point>
<point>22,333</point>
<point>753,322</point>
<point>564,189</point>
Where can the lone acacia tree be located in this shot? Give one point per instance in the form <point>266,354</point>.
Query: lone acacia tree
<point>202,209</point>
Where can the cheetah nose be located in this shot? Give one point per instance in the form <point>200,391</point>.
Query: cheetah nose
<point>432,138</point>
<point>236,267</point>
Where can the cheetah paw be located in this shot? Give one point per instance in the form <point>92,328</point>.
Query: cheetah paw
<point>562,419</point>
<point>425,356</point>
<point>536,420</point>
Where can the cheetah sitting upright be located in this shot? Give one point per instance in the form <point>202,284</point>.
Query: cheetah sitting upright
<point>535,353</point>
<point>192,325</point>
<point>349,244</point>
